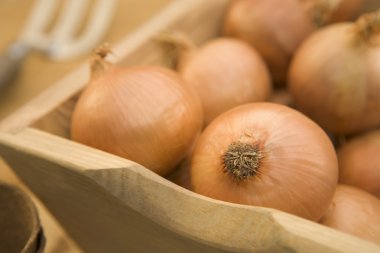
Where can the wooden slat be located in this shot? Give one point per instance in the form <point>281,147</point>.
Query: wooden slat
<point>109,204</point>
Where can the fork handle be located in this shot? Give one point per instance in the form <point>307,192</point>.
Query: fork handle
<point>10,63</point>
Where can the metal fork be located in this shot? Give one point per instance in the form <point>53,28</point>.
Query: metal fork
<point>61,43</point>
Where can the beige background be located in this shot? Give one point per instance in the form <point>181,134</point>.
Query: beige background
<point>38,72</point>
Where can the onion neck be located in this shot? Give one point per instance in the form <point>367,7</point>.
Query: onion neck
<point>368,25</point>
<point>242,161</point>
<point>98,63</point>
<point>180,47</point>
<point>322,11</point>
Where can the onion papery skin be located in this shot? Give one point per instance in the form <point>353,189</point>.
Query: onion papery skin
<point>359,162</point>
<point>263,23</point>
<point>335,79</point>
<point>355,212</point>
<point>369,6</point>
<point>297,173</point>
<point>141,113</point>
<point>345,10</point>
<point>225,73</point>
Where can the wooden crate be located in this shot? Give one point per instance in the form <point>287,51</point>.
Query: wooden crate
<point>110,204</point>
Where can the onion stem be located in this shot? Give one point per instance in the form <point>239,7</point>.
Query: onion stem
<point>98,62</point>
<point>179,46</point>
<point>323,10</point>
<point>368,25</point>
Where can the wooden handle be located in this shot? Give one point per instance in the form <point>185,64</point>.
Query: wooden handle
<point>10,63</point>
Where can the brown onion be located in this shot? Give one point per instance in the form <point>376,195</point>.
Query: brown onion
<point>141,113</point>
<point>359,162</point>
<point>269,155</point>
<point>369,6</point>
<point>225,73</point>
<point>277,27</point>
<point>354,211</point>
<point>335,76</point>
<point>331,11</point>
<point>262,23</point>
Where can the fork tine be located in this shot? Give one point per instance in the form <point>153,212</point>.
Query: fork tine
<point>41,15</point>
<point>100,18</point>
<point>71,16</point>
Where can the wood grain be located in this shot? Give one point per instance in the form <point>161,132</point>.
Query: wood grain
<point>109,204</point>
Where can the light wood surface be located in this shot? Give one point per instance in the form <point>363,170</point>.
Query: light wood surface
<point>38,73</point>
<point>109,204</point>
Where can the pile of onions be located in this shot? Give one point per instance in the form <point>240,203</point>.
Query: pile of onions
<point>335,76</point>
<point>276,28</point>
<point>269,155</point>
<point>262,23</point>
<point>355,212</point>
<point>224,72</point>
<point>143,113</point>
<point>359,162</point>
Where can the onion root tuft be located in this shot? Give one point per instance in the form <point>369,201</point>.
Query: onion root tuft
<point>242,160</point>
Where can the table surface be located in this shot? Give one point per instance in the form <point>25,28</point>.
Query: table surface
<point>39,72</point>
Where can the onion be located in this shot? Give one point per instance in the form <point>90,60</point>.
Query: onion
<point>262,23</point>
<point>269,155</point>
<point>276,28</point>
<point>359,162</point>
<point>331,11</point>
<point>369,6</point>
<point>143,113</point>
<point>335,76</point>
<point>225,73</point>
<point>355,212</point>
